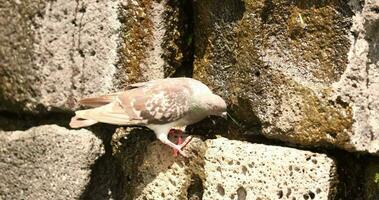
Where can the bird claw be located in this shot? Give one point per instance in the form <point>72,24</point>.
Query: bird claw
<point>180,144</point>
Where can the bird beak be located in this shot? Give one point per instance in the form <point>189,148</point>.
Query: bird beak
<point>224,115</point>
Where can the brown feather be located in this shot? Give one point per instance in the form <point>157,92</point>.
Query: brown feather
<point>98,101</point>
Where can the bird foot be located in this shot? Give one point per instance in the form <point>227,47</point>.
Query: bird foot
<point>180,144</point>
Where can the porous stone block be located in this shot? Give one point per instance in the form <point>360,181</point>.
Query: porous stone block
<point>151,170</point>
<point>241,170</point>
<point>46,162</point>
<point>303,72</point>
<point>52,53</point>
<point>223,169</point>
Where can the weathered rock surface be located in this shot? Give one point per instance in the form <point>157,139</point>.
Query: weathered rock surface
<point>224,169</point>
<point>150,169</point>
<point>239,170</point>
<point>46,162</point>
<point>293,68</point>
<point>359,84</point>
<point>52,53</point>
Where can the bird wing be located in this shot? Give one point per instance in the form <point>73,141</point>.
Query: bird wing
<point>154,103</point>
<point>157,103</point>
<point>108,98</point>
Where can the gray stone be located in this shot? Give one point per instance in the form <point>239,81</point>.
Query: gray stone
<point>240,170</point>
<point>150,169</point>
<point>292,69</point>
<point>359,84</point>
<point>46,162</point>
<point>222,169</point>
<point>53,53</point>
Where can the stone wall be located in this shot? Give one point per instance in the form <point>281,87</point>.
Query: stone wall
<point>300,79</point>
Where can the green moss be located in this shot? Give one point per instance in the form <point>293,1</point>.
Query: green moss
<point>372,180</point>
<point>376,178</point>
<point>137,30</point>
<point>268,53</point>
<point>322,120</point>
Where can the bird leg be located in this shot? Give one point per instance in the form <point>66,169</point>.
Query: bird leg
<point>163,138</point>
<point>179,141</point>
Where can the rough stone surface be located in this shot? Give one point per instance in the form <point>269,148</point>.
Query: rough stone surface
<point>359,84</point>
<point>53,53</point>
<point>222,169</point>
<point>240,170</point>
<point>46,162</point>
<point>150,169</point>
<point>154,39</point>
<point>283,68</point>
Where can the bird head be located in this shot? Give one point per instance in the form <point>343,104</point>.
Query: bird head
<point>216,106</point>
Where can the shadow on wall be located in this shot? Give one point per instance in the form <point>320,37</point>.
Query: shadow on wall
<point>106,180</point>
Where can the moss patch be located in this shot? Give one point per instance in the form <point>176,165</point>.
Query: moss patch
<point>274,62</point>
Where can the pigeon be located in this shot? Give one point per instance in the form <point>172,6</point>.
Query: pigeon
<point>160,105</point>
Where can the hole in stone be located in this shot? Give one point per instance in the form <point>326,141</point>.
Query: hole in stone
<point>241,193</point>
<point>311,194</point>
<point>74,22</point>
<point>354,85</point>
<point>65,12</point>
<point>257,73</point>
<point>244,170</point>
<point>230,162</point>
<point>314,161</point>
<point>101,28</point>
<point>220,190</point>
<point>39,14</point>
<point>81,53</point>
<point>280,194</point>
<point>82,9</point>
<point>305,196</point>
<point>195,190</point>
<point>332,134</point>
<point>288,192</point>
<point>341,102</point>
<point>318,190</point>
<point>92,53</point>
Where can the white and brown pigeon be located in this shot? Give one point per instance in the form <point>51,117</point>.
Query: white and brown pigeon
<point>160,105</point>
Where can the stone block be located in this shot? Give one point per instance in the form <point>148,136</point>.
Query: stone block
<point>240,170</point>
<point>46,162</point>
<point>294,69</point>
<point>53,53</point>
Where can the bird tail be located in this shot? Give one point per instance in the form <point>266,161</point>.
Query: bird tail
<point>79,123</point>
<point>111,113</point>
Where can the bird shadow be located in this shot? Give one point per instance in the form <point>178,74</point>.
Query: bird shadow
<point>106,173</point>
